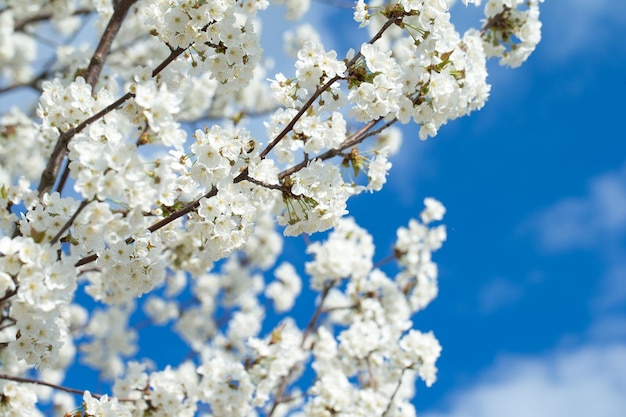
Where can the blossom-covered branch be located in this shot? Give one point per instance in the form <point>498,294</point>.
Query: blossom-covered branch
<point>115,208</point>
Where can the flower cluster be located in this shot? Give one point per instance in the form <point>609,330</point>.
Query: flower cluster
<point>104,406</point>
<point>42,284</point>
<point>110,340</point>
<point>317,199</point>
<point>431,76</point>
<point>17,50</point>
<point>285,289</point>
<point>512,33</point>
<point>374,346</point>
<point>128,270</point>
<point>224,47</point>
<point>413,249</point>
<point>22,153</point>
<point>18,400</point>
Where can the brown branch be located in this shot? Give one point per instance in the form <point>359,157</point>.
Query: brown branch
<point>395,392</point>
<point>67,225</point>
<point>243,176</point>
<point>51,171</point>
<point>160,224</point>
<point>101,52</point>
<point>330,310</point>
<point>64,176</point>
<point>265,185</point>
<point>55,386</point>
<point>91,76</point>
<point>189,208</point>
<point>318,311</point>
<point>319,92</point>
<point>32,84</point>
<point>370,372</point>
<point>385,261</point>
<point>211,116</point>
<point>278,398</point>
<point>354,139</point>
<point>9,294</point>
<point>297,117</point>
<point>498,21</point>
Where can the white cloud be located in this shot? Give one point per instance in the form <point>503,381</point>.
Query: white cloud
<point>589,381</point>
<point>575,27</point>
<point>584,222</point>
<point>595,222</point>
<point>608,329</point>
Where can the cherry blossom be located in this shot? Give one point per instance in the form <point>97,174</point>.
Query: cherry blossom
<point>138,189</point>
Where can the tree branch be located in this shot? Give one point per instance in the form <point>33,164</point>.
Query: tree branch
<point>319,92</point>
<point>57,387</point>
<point>113,27</point>
<point>278,398</point>
<point>160,224</point>
<point>395,392</point>
<point>354,139</point>
<point>67,225</point>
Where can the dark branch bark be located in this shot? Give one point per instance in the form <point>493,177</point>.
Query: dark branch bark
<point>58,387</point>
<point>92,74</point>
<point>97,60</point>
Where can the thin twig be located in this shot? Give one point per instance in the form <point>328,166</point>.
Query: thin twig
<point>55,386</point>
<point>91,76</point>
<point>385,261</point>
<point>263,184</point>
<point>354,139</point>
<point>278,398</point>
<point>395,392</point>
<point>69,223</point>
<point>64,176</point>
<point>8,294</point>
<point>318,311</point>
<point>48,67</point>
<point>51,171</point>
<point>319,92</point>
<point>350,307</point>
<point>158,225</point>
<point>97,59</point>
<point>297,117</point>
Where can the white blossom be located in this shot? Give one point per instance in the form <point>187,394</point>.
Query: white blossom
<point>136,189</point>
